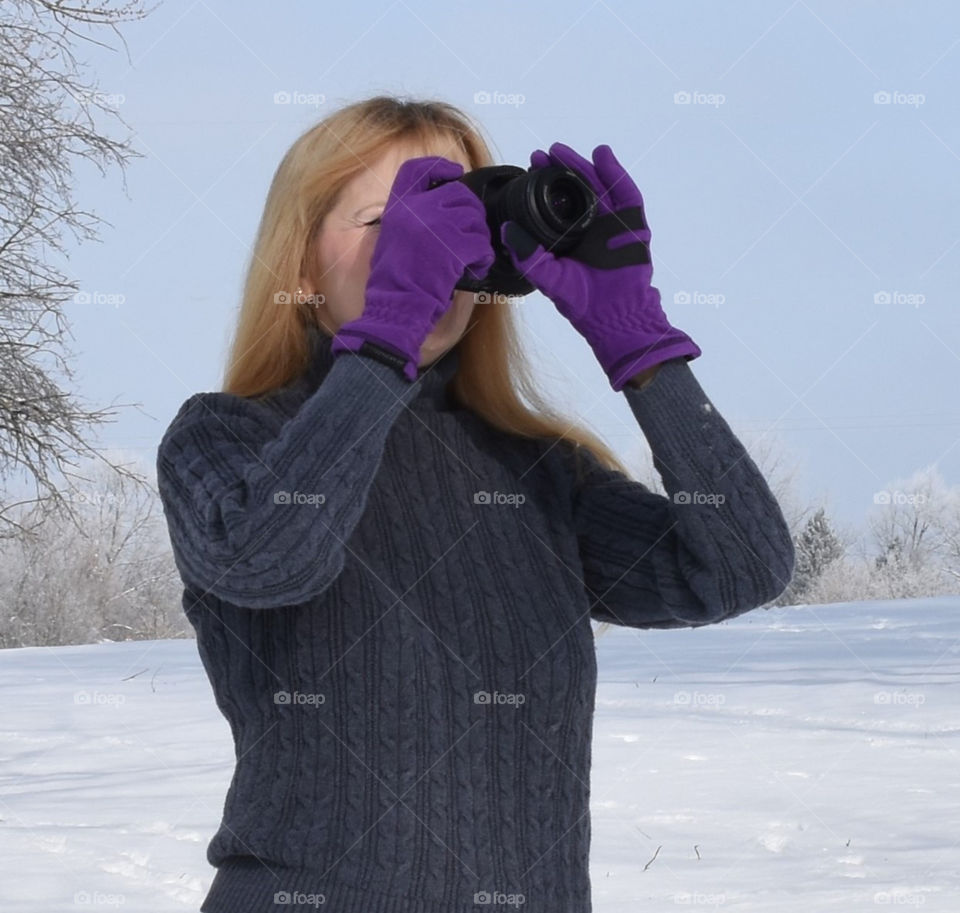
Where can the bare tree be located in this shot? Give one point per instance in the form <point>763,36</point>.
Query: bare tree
<point>47,126</point>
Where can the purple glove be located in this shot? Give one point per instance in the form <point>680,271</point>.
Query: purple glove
<point>428,236</point>
<point>604,289</point>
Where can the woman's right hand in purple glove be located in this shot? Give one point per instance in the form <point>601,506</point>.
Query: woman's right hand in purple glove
<point>604,288</point>
<point>428,237</point>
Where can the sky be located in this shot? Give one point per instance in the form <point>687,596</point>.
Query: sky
<point>798,160</point>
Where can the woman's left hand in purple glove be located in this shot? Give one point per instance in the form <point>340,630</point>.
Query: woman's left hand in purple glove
<point>604,288</point>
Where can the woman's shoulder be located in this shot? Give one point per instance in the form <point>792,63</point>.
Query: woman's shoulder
<point>219,413</point>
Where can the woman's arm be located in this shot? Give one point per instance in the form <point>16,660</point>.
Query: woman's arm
<point>716,546</point>
<point>241,488</point>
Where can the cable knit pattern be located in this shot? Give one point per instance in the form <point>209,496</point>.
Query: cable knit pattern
<point>393,604</point>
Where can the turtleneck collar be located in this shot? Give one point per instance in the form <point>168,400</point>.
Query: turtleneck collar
<point>431,382</point>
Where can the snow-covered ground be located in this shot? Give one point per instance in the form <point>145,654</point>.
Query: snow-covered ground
<point>790,760</point>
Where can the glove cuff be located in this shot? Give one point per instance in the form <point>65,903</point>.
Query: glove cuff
<point>365,339</point>
<point>633,356</point>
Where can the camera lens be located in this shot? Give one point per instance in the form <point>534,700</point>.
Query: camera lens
<point>552,204</point>
<point>565,200</point>
<point>557,205</point>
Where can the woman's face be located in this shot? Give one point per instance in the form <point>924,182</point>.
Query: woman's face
<point>344,246</point>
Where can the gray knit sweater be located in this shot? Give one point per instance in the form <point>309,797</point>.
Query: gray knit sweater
<point>393,604</point>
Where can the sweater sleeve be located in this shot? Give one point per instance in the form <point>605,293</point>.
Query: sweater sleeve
<point>259,509</point>
<point>715,547</point>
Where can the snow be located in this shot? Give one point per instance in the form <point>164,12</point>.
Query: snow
<point>795,759</point>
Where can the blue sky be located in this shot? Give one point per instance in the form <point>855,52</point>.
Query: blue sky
<point>805,229</point>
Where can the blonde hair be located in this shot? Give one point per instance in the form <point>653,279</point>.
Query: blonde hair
<point>270,342</point>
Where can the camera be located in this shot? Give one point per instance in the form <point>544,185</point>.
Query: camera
<point>553,204</point>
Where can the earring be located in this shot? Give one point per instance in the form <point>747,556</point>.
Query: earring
<point>299,291</point>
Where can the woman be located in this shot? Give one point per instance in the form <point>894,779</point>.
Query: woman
<point>392,562</point>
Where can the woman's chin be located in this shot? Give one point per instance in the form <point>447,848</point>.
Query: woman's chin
<point>432,349</point>
<point>437,342</point>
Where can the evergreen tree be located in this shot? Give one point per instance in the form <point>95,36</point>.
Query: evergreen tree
<point>817,547</point>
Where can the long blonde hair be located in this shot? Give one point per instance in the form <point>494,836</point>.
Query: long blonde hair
<point>270,342</point>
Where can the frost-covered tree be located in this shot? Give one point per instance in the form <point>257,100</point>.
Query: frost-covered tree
<point>103,571</point>
<point>910,531</point>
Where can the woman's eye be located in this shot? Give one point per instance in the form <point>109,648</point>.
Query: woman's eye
<point>375,221</point>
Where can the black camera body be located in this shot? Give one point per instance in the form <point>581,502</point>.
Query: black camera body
<point>553,204</point>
